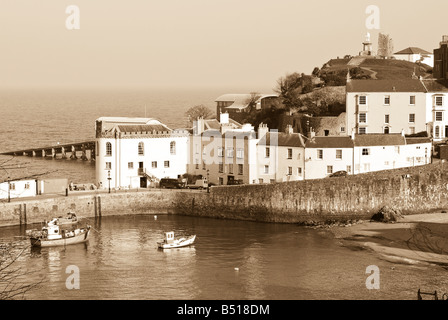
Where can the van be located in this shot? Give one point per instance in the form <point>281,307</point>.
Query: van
<point>170,183</point>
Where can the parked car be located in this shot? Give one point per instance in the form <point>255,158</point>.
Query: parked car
<point>234,182</point>
<point>199,184</point>
<point>170,183</point>
<point>341,173</point>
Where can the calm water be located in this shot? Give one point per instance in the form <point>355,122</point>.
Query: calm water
<point>121,260</point>
<point>275,261</point>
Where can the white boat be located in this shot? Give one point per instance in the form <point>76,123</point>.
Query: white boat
<point>52,235</point>
<point>169,242</point>
<point>70,218</point>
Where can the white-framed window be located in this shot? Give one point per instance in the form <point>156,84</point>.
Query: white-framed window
<point>229,152</point>
<point>437,131</point>
<point>362,130</point>
<point>342,129</point>
<point>108,149</point>
<point>362,100</point>
<point>220,152</point>
<point>412,100</point>
<point>386,100</point>
<point>386,118</point>
<point>173,147</point>
<point>240,153</point>
<point>27,185</point>
<point>320,154</point>
<point>349,169</point>
<point>362,117</point>
<point>365,151</point>
<point>130,165</point>
<point>267,152</point>
<point>289,153</point>
<point>108,165</point>
<point>412,118</point>
<point>329,169</point>
<point>141,149</point>
<point>166,163</point>
<point>266,169</point>
<point>339,154</point>
<point>289,171</point>
<point>439,101</point>
<point>439,115</point>
<point>299,171</point>
<point>154,165</point>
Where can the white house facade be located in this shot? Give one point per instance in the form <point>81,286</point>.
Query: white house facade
<point>18,189</point>
<point>137,152</point>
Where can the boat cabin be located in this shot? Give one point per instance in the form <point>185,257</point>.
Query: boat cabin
<point>52,232</point>
<point>169,237</point>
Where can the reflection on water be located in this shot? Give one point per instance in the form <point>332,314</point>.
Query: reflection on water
<point>229,260</point>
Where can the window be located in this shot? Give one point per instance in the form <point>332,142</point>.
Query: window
<point>386,118</point>
<point>130,165</point>
<point>320,154</point>
<point>289,171</point>
<point>439,101</point>
<point>339,154</point>
<point>229,152</point>
<point>412,117</point>
<point>342,129</point>
<point>260,180</point>
<point>362,100</point>
<point>362,118</point>
<point>412,100</point>
<point>268,152</point>
<point>386,130</point>
<point>240,153</point>
<point>366,167</point>
<point>166,164</point>
<point>386,100</point>
<point>289,153</point>
<point>266,169</point>
<point>221,167</point>
<point>240,169</point>
<point>154,165</point>
<point>365,151</point>
<point>221,181</point>
<point>141,149</point>
<point>12,186</point>
<point>411,130</point>
<point>349,169</point>
<point>299,171</point>
<point>108,165</point>
<point>329,169</point>
<point>437,131</point>
<point>220,152</point>
<point>362,130</point>
<point>108,149</point>
<point>439,116</point>
<point>173,147</point>
<point>230,167</point>
<point>27,185</point>
<point>386,163</point>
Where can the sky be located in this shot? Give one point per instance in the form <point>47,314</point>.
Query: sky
<point>196,43</point>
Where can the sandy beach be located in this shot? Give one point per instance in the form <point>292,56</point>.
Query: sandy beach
<point>414,239</point>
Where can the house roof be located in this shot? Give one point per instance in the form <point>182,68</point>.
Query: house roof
<point>417,140</point>
<point>379,139</point>
<point>413,50</point>
<point>283,140</point>
<point>143,128</point>
<point>240,100</point>
<point>330,142</point>
<point>396,85</point>
<point>436,85</point>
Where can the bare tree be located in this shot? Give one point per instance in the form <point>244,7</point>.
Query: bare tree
<point>14,282</point>
<point>198,111</point>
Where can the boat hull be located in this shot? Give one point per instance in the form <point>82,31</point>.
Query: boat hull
<point>41,242</point>
<point>177,244</point>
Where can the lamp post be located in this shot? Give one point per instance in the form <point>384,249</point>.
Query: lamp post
<point>108,178</point>
<point>208,181</point>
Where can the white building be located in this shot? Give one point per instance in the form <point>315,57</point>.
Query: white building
<point>413,54</point>
<point>18,189</point>
<point>137,152</point>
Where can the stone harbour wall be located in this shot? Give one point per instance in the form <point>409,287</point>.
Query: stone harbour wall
<point>412,190</point>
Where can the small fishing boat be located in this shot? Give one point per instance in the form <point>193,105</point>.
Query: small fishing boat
<point>169,242</point>
<point>70,218</point>
<point>52,235</point>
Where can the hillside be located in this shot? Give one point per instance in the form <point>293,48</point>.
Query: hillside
<point>334,72</point>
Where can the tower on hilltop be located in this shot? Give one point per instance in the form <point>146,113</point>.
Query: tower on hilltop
<point>367,46</point>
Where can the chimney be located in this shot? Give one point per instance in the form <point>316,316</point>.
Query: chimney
<point>352,135</point>
<point>224,118</point>
<point>198,126</point>
<point>311,134</point>
<point>262,130</point>
<point>402,132</point>
<point>289,129</point>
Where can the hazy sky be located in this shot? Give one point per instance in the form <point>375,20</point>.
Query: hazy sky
<point>194,43</point>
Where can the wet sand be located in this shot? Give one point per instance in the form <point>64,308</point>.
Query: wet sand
<point>415,239</point>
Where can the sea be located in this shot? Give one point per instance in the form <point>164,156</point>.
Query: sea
<point>230,260</point>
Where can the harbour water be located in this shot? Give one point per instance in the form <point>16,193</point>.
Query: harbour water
<point>121,260</point>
